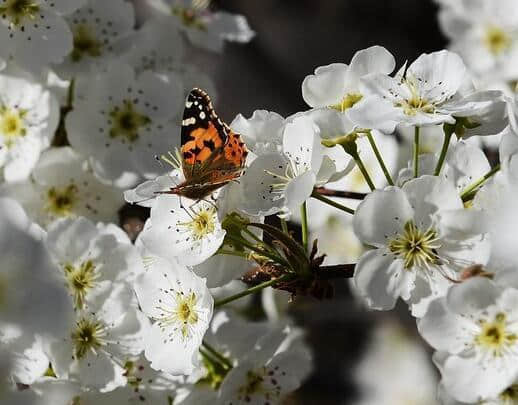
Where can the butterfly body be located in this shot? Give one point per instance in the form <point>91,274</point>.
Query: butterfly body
<point>212,154</point>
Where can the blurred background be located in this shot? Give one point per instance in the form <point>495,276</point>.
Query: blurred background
<point>360,357</point>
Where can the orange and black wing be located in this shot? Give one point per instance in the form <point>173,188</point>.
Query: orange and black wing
<point>211,151</point>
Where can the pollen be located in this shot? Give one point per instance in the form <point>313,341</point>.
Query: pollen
<point>17,11</point>
<point>12,126</point>
<point>416,247</point>
<point>415,103</point>
<point>88,336</point>
<point>202,223</point>
<point>497,40</point>
<point>494,336</point>
<point>189,17</point>
<point>127,122</point>
<point>263,383</point>
<point>61,201</point>
<point>81,279</point>
<point>183,314</point>
<point>85,43</point>
<point>347,102</point>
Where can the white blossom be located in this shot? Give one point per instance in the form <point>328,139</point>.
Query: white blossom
<point>121,122</point>
<point>63,186</point>
<point>180,306</point>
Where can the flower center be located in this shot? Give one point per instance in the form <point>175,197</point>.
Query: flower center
<point>347,102</point>
<point>131,372</point>
<point>416,247</point>
<point>12,125</point>
<point>81,279</point>
<point>18,10</point>
<point>262,382</point>
<point>497,40</point>
<point>202,224</point>
<point>494,336</point>
<point>186,311</point>
<point>61,201</point>
<point>189,17</point>
<point>510,395</point>
<point>89,335</point>
<point>85,43</point>
<point>183,313</point>
<point>126,122</point>
<point>415,103</point>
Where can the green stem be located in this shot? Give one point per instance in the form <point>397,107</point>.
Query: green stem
<point>304,219</point>
<point>332,203</point>
<point>416,151</point>
<point>222,359</point>
<point>447,137</point>
<point>276,258</point>
<point>252,290</point>
<point>469,192</point>
<point>284,226</point>
<point>362,168</point>
<point>380,158</point>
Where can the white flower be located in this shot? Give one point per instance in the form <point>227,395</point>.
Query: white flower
<point>45,391</point>
<point>338,85</point>
<point>62,186</point>
<point>147,192</point>
<point>476,326</point>
<point>395,370</point>
<point>120,122</point>
<point>262,132</point>
<point>144,386</point>
<point>34,33</point>
<point>96,27</point>
<point>429,92</point>
<point>28,359</point>
<point>92,263</point>
<point>156,46</point>
<point>203,27</point>
<point>97,344</point>
<point>484,34</point>
<point>280,182</point>
<point>32,296</point>
<point>180,305</point>
<point>275,367</point>
<point>183,230</point>
<point>422,237</point>
<point>29,115</point>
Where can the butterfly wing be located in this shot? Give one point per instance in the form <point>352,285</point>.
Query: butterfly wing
<point>211,151</point>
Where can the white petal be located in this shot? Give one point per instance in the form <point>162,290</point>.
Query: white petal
<point>382,215</point>
<point>380,279</point>
<point>326,87</point>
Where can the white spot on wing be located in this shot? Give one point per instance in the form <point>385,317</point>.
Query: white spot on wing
<point>202,115</point>
<point>189,121</point>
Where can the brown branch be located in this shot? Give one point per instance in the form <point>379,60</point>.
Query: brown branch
<point>341,194</point>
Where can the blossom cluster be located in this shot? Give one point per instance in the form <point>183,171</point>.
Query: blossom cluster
<point>386,172</point>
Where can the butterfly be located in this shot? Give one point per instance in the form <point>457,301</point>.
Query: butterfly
<point>211,155</point>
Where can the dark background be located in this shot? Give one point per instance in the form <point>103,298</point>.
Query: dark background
<point>293,38</point>
<point>296,36</point>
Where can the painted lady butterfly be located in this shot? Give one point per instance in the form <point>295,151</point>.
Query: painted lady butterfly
<point>212,154</point>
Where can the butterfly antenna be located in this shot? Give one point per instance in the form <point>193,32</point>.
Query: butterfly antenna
<point>157,158</point>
